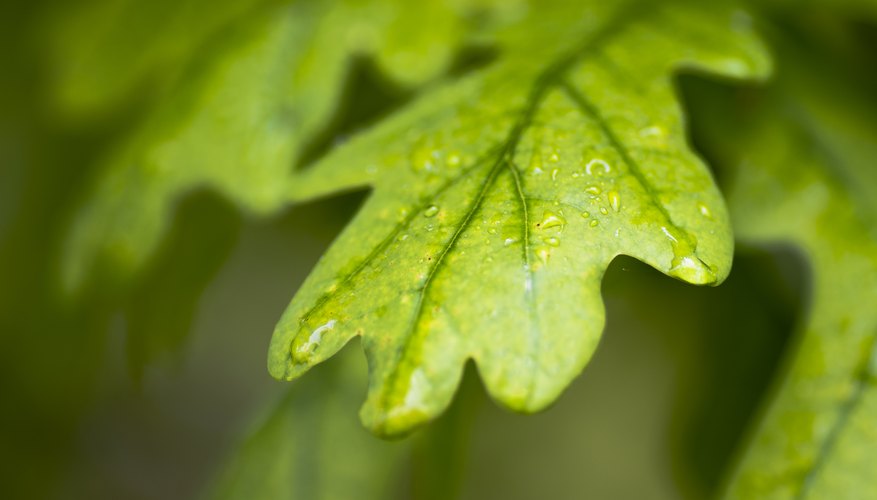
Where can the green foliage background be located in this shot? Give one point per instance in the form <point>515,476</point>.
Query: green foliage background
<point>149,381</point>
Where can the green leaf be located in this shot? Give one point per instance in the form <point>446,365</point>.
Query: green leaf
<point>309,445</point>
<point>819,436</point>
<point>238,119</point>
<point>501,198</point>
<point>100,52</point>
<point>805,177</point>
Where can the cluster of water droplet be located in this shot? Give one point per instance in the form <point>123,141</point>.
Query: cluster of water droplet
<point>594,169</point>
<point>427,157</point>
<point>549,230</point>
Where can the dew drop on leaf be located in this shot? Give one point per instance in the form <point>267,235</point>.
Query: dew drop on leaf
<point>653,131</point>
<point>423,158</point>
<point>550,220</point>
<point>301,353</point>
<point>669,235</point>
<point>686,264</point>
<point>454,160</point>
<point>615,200</point>
<point>543,254</point>
<point>597,167</point>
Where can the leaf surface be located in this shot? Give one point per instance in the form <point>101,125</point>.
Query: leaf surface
<point>499,200</point>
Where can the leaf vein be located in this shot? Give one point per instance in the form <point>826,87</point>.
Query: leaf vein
<point>589,110</point>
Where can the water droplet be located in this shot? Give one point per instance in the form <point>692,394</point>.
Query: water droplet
<point>491,230</point>
<point>614,200</point>
<point>586,214</point>
<point>536,163</point>
<point>510,241</point>
<point>430,227</point>
<point>604,211</point>
<point>301,352</point>
<point>597,167</point>
<point>554,158</point>
<point>454,160</point>
<point>552,241</point>
<point>594,190</point>
<point>653,131</point>
<point>705,211</point>
<point>686,265</point>
<point>423,158</point>
<point>418,388</point>
<point>554,174</point>
<point>550,220</point>
<point>431,211</point>
<point>669,235</point>
<point>402,237</point>
<point>690,268</point>
<point>544,254</point>
<point>594,223</point>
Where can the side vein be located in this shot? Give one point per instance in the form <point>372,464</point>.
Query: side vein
<point>864,379</point>
<point>348,278</point>
<point>529,285</point>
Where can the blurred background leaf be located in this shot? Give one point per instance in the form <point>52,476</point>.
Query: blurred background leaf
<point>801,173</point>
<point>240,93</point>
<point>310,444</point>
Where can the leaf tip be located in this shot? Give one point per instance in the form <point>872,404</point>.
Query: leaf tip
<point>280,360</point>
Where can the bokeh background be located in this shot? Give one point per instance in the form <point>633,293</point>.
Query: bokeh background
<point>156,387</point>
